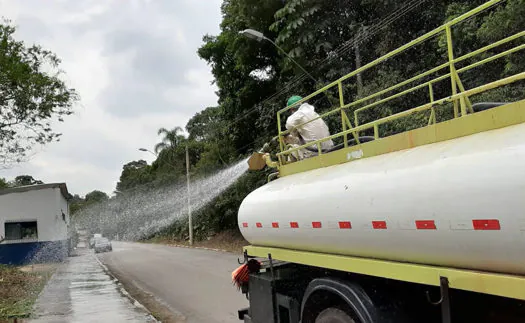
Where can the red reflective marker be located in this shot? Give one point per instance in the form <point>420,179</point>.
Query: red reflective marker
<point>489,224</point>
<point>316,225</point>
<point>425,225</point>
<point>379,224</point>
<point>345,225</point>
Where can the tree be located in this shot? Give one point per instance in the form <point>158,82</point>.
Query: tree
<point>205,125</point>
<point>134,173</point>
<point>24,180</point>
<point>3,183</point>
<point>96,197</point>
<point>32,95</point>
<point>171,139</point>
<point>76,204</point>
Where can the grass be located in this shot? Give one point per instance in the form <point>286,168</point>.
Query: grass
<point>19,290</point>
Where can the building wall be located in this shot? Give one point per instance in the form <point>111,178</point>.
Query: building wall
<point>44,206</point>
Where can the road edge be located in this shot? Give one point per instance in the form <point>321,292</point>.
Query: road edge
<point>124,292</point>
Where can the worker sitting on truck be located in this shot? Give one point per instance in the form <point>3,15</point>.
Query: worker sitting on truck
<point>309,132</point>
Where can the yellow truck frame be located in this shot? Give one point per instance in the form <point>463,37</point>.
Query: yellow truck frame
<point>465,121</point>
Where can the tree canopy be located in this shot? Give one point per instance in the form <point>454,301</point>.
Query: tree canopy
<point>32,96</point>
<point>24,180</point>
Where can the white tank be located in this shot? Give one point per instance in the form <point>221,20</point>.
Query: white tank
<point>458,203</point>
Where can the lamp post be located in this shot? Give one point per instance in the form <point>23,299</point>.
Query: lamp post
<point>189,197</point>
<point>190,225</point>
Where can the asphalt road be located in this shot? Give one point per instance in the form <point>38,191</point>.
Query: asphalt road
<point>194,282</point>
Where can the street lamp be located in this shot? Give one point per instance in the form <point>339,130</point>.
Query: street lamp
<point>259,36</point>
<point>190,225</point>
<point>149,151</point>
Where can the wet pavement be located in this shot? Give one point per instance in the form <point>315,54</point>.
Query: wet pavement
<point>195,283</point>
<point>82,291</point>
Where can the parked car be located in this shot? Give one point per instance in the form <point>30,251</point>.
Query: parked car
<point>93,239</point>
<point>102,245</point>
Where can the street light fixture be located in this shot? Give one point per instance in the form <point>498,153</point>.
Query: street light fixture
<point>259,36</point>
<point>149,151</point>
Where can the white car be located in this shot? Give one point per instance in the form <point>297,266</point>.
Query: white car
<point>102,245</point>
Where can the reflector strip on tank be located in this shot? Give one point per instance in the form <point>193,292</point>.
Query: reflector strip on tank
<point>345,225</point>
<point>477,224</point>
<point>425,225</point>
<point>379,224</point>
<point>489,224</point>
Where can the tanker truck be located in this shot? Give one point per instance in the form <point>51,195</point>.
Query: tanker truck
<point>420,225</point>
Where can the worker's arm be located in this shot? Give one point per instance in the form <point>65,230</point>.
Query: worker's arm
<point>294,120</point>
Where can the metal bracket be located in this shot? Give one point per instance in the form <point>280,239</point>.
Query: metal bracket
<point>444,301</point>
<point>245,259</point>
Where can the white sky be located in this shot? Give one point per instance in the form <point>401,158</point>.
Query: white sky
<point>135,66</point>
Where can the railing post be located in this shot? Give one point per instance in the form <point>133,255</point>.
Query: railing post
<point>341,104</point>
<point>453,73</point>
<point>281,146</point>
<point>432,118</point>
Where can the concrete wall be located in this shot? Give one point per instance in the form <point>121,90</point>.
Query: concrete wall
<point>44,206</point>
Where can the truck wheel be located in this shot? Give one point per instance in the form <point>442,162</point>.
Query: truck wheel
<point>333,315</point>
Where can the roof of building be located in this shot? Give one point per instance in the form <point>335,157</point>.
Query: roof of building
<point>21,189</point>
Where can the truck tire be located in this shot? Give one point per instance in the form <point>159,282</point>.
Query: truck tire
<point>333,315</point>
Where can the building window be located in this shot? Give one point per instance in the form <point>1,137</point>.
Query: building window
<point>21,231</point>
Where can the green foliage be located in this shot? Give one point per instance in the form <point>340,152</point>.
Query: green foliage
<point>96,197</point>
<point>3,183</point>
<point>171,139</point>
<point>32,95</point>
<point>24,180</point>
<point>75,204</point>
<point>134,173</point>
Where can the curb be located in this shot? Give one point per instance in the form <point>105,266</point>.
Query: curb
<point>124,292</point>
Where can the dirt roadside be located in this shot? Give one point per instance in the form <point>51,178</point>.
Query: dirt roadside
<point>20,287</point>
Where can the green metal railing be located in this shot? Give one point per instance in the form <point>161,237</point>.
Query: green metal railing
<point>459,95</point>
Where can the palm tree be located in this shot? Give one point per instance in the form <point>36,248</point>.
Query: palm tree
<point>171,139</point>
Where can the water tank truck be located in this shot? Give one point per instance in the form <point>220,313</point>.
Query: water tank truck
<point>423,225</point>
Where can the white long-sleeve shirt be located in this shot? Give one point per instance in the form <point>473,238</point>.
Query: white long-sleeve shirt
<point>311,131</point>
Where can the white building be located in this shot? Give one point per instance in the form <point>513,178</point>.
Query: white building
<point>34,223</point>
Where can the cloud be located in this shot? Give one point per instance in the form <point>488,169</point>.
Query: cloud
<point>136,69</point>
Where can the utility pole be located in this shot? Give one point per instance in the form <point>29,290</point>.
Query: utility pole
<point>358,65</point>
<point>190,226</point>
<point>360,35</point>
